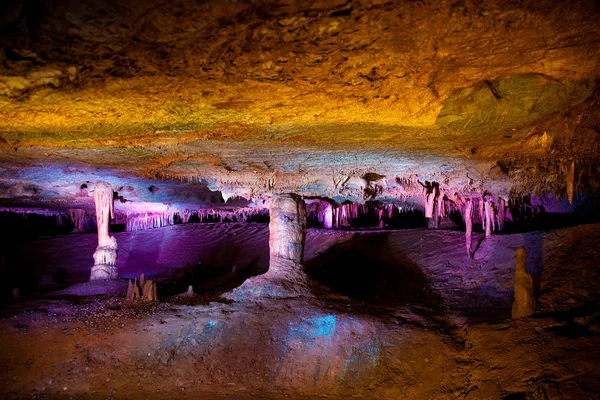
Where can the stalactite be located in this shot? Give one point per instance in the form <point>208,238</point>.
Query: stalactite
<point>430,199</point>
<point>432,193</point>
<point>501,214</point>
<point>469,226</point>
<point>482,215</point>
<point>152,219</point>
<point>149,220</point>
<point>489,217</point>
<point>571,182</point>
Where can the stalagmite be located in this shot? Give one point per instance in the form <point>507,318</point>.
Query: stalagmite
<point>571,182</point>
<point>524,301</point>
<point>149,291</point>
<point>105,257</point>
<point>469,226</point>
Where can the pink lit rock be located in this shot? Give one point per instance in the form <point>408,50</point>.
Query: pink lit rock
<point>105,257</point>
<point>489,217</point>
<point>328,217</point>
<point>469,226</point>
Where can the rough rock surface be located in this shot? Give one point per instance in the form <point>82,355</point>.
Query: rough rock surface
<point>442,332</point>
<point>282,96</point>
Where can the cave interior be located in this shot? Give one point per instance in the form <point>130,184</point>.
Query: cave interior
<point>265,199</point>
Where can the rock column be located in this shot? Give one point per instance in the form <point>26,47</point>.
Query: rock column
<point>105,256</point>
<point>524,301</point>
<point>287,234</point>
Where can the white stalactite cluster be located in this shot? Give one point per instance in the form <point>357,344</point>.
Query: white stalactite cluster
<point>156,219</point>
<point>105,257</point>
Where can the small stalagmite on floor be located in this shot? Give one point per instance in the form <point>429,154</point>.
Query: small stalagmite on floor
<point>148,290</point>
<point>524,301</point>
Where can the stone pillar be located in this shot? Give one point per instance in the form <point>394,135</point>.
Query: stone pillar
<point>524,301</point>
<point>287,234</point>
<point>105,256</point>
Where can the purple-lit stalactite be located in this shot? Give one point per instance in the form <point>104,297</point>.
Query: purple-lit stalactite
<point>287,235</point>
<point>501,214</point>
<point>105,257</point>
<point>156,219</point>
<point>431,205</point>
<point>328,217</point>
<point>489,216</point>
<point>78,217</point>
<point>469,226</point>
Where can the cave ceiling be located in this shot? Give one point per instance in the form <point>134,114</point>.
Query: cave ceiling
<point>258,97</point>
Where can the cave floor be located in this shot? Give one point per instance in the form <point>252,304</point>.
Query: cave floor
<point>390,315</point>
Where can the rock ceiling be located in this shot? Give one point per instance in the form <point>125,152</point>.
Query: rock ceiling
<point>254,97</point>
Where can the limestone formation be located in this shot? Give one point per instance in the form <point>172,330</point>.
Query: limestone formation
<point>432,205</point>
<point>105,257</point>
<point>524,301</point>
<point>469,226</point>
<point>489,217</point>
<point>78,218</point>
<point>287,234</point>
<point>148,290</point>
<point>501,214</point>
<point>571,182</point>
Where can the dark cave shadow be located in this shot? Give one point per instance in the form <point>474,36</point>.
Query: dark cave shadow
<point>221,271</point>
<point>381,282</point>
